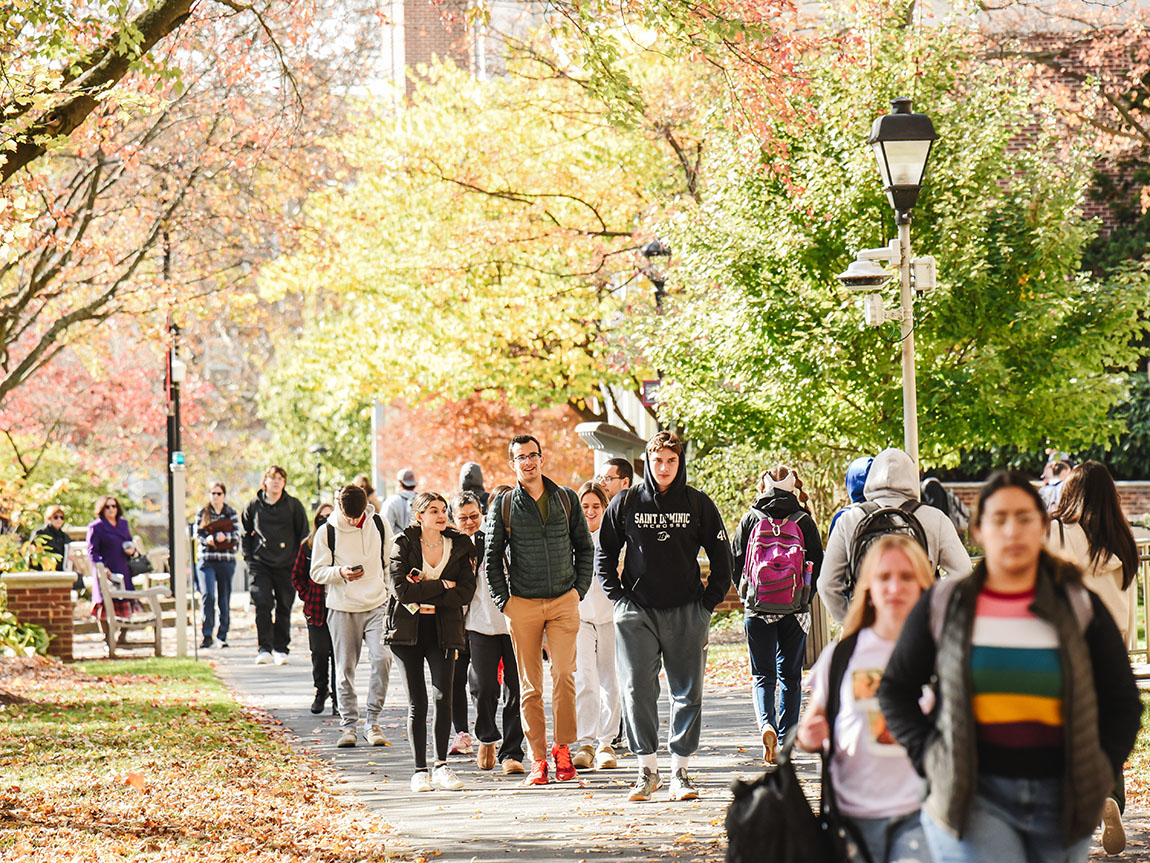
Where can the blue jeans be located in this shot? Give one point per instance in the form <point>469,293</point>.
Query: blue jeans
<point>1012,821</point>
<point>892,840</point>
<point>776,651</point>
<point>215,582</point>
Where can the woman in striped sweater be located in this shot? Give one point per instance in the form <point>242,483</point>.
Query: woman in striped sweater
<point>1037,707</point>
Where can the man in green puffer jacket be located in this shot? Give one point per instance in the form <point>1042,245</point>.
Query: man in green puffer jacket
<point>551,559</point>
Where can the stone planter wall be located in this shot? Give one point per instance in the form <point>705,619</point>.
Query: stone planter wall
<point>45,599</point>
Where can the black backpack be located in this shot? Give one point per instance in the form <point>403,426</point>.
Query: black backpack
<point>880,521</point>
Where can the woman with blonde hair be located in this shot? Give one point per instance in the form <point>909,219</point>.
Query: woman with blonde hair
<point>777,554</point>
<point>876,788</point>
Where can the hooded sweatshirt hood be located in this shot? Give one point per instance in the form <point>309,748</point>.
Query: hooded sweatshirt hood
<point>471,477</point>
<point>663,532</point>
<point>857,472</point>
<point>892,478</point>
<point>777,503</point>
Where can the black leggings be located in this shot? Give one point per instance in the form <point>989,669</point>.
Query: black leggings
<point>442,665</point>
<point>459,692</point>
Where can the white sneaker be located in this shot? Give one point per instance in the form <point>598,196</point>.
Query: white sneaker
<point>279,658</point>
<point>263,658</point>
<point>682,788</point>
<point>374,735</point>
<point>420,781</point>
<point>346,738</point>
<point>445,779</point>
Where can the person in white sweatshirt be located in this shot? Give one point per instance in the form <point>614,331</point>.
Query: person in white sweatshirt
<point>891,482</point>
<point>597,704</point>
<point>349,558</point>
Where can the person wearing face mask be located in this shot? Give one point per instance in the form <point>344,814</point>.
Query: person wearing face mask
<point>876,788</point>
<point>433,579</point>
<point>1037,709</point>
<point>314,599</point>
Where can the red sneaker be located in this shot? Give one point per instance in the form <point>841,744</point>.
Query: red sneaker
<point>538,775</point>
<point>564,769</point>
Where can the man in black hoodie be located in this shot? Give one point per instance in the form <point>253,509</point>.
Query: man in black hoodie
<point>662,608</point>
<point>273,526</point>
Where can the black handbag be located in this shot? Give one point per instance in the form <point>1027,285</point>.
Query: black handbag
<point>770,820</point>
<point>139,565</point>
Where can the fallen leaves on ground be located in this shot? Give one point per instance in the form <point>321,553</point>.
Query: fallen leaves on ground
<point>160,767</point>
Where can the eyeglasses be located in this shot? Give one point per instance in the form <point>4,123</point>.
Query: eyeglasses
<point>111,506</point>
<point>220,493</point>
<point>58,517</point>
<point>462,518</point>
<point>526,457</point>
<point>608,478</point>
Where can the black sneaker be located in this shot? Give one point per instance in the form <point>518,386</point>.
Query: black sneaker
<point>222,643</point>
<point>320,698</point>
<point>205,644</point>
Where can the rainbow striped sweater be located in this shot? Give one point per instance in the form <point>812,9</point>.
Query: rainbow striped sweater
<point>1016,669</point>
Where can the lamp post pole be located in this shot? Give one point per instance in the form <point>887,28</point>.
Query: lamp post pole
<point>906,306</point>
<point>902,141</point>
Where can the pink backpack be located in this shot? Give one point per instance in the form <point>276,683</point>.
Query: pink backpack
<point>778,579</point>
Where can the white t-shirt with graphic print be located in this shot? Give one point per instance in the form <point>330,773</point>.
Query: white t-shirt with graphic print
<point>872,775</point>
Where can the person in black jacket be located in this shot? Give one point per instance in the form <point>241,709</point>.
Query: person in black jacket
<point>56,541</point>
<point>273,525</point>
<point>776,640</point>
<point>433,577</point>
<point>662,608</point>
<point>1037,705</point>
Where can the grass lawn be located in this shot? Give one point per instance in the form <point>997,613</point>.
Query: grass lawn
<point>152,760</point>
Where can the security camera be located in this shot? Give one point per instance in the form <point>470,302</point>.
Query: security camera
<point>864,276</point>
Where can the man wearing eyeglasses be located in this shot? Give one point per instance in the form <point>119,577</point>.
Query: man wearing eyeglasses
<point>551,560</point>
<point>617,476</point>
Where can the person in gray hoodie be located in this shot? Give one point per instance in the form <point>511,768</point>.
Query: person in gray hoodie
<point>892,481</point>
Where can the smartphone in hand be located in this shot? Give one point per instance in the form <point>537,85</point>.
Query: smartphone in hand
<point>415,576</point>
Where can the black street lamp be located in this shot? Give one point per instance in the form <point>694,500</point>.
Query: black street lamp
<point>319,451</point>
<point>901,141</point>
<point>651,251</point>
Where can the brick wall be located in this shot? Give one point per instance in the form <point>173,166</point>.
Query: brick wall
<point>45,599</point>
<point>435,29</point>
<point>1135,496</point>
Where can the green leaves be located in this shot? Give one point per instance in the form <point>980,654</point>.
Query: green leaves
<point>1014,347</point>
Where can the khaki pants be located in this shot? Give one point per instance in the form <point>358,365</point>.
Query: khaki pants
<point>528,620</point>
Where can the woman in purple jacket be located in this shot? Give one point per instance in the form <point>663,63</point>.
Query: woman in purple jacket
<point>110,543</point>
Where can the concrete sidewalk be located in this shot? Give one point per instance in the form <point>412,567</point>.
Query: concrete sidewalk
<point>496,818</point>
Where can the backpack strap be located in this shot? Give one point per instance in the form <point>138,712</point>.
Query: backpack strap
<point>840,659</point>
<point>505,506</point>
<point>563,499</point>
<point>909,506</point>
<point>382,540</point>
<point>330,540</point>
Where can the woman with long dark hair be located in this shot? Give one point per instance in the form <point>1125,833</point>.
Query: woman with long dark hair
<point>1037,706</point>
<point>433,579</point>
<point>314,599</point>
<point>1090,530</point>
<point>217,539</point>
<point>776,640</point>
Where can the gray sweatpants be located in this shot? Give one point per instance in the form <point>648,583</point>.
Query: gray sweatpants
<point>349,631</point>
<point>676,637</point>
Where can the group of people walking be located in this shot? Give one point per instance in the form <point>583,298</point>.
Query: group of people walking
<point>968,714</point>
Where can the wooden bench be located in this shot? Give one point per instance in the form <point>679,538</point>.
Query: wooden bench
<point>117,627</point>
